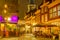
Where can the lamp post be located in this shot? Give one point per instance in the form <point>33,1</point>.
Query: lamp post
<point>6,19</point>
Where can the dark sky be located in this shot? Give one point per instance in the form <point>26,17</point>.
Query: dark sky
<point>23,7</point>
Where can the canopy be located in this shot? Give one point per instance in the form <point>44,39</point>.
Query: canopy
<point>44,25</point>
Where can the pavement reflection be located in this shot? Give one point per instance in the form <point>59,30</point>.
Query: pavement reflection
<point>32,37</point>
<point>27,37</point>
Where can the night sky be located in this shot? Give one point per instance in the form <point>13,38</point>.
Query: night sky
<point>23,6</point>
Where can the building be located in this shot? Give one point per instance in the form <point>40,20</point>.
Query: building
<point>48,14</point>
<point>50,11</point>
<point>23,7</point>
<point>37,16</point>
<point>32,7</point>
<point>7,9</point>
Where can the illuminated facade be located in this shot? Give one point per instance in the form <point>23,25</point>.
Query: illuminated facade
<point>9,8</point>
<point>49,13</point>
<point>37,16</point>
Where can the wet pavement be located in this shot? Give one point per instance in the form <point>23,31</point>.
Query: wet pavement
<point>26,37</point>
<point>13,38</point>
<point>32,37</point>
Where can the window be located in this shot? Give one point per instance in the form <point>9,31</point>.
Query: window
<point>42,10</point>
<point>50,12</point>
<point>42,18</point>
<point>54,9</point>
<point>54,12</point>
<point>46,18</point>
<point>58,10</point>
<point>58,7</point>
<point>38,18</point>
<point>46,9</point>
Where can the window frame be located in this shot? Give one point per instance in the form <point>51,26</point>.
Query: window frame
<point>58,10</point>
<point>43,18</point>
<point>55,11</point>
<point>45,9</point>
<point>46,17</point>
<point>50,13</point>
<point>42,10</point>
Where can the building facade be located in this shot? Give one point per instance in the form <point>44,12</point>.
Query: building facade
<point>48,14</point>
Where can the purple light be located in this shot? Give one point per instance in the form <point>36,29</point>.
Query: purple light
<point>14,19</point>
<point>1,19</point>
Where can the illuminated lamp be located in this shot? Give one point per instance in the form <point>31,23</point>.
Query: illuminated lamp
<point>1,19</point>
<point>14,19</point>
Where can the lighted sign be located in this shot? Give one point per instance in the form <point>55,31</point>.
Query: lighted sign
<point>1,19</point>
<point>14,19</point>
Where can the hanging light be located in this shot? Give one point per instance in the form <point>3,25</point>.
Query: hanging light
<point>5,6</point>
<point>5,11</point>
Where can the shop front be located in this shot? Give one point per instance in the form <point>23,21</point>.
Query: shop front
<point>12,30</point>
<point>8,26</point>
<point>46,30</point>
<point>55,31</point>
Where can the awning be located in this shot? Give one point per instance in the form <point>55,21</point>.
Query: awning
<point>44,25</point>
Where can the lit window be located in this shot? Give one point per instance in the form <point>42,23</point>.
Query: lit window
<point>50,12</point>
<point>51,15</point>
<point>42,10</point>
<point>42,18</point>
<point>59,10</point>
<point>46,17</point>
<point>58,7</point>
<point>54,9</point>
<point>58,13</point>
<point>54,12</point>
<point>46,9</point>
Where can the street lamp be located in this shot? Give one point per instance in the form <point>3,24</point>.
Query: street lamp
<point>5,11</point>
<point>9,19</point>
<point>5,6</point>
